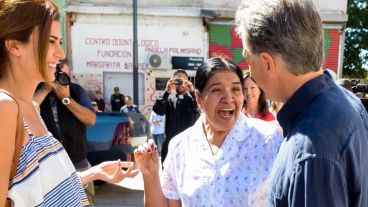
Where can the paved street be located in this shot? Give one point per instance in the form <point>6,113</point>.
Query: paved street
<point>109,195</point>
<point>128,193</point>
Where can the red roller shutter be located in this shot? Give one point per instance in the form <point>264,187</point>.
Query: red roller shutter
<point>332,43</point>
<point>224,42</point>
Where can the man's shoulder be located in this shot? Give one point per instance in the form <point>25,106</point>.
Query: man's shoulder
<point>75,85</point>
<point>180,139</point>
<point>76,88</point>
<point>319,138</point>
<point>336,111</point>
<point>190,96</point>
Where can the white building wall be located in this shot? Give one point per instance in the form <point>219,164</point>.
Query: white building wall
<point>112,19</point>
<point>101,51</point>
<point>141,3</point>
<point>326,6</point>
<point>97,40</point>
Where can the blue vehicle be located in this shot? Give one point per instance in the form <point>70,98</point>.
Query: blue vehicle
<point>115,135</point>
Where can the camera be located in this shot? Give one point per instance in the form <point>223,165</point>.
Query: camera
<point>61,77</point>
<point>358,87</point>
<point>178,81</point>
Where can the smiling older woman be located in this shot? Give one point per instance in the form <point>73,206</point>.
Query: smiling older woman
<point>220,160</point>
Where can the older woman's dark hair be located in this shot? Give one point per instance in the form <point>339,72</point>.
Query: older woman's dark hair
<point>213,65</point>
<point>262,102</point>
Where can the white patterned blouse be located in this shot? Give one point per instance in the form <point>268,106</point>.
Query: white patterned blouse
<point>233,177</point>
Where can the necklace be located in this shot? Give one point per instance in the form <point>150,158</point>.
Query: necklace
<point>208,142</point>
<point>213,154</point>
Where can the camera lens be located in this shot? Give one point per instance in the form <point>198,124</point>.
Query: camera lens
<point>64,79</point>
<point>179,81</point>
<point>360,88</point>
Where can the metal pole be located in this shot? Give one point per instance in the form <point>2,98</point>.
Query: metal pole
<point>135,54</point>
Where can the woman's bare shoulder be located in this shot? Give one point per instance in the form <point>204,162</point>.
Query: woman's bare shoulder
<point>8,106</point>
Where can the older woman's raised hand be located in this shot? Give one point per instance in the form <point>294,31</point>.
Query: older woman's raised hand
<point>112,171</point>
<point>147,159</point>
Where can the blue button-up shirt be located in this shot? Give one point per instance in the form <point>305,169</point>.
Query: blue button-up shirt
<point>323,160</point>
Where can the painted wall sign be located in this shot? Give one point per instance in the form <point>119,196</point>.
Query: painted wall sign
<point>186,63</point>
<point>108,47</point>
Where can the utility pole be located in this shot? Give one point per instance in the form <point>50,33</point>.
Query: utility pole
<point>135,55</point>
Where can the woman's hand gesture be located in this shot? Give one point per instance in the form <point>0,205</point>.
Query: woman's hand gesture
<point>147,159</point>
<point>112,171</point>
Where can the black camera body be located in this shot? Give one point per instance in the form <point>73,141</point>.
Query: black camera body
<point>61,77</point>
<point>178,81</point>
<point>360,88</point>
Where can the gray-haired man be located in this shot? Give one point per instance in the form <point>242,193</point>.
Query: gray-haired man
<point>323,160</point>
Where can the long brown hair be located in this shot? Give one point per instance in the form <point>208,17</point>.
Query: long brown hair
<point>262,102</point>
<point>18,19</point>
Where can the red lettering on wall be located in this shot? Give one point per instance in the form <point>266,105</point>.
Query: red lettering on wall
<point>112,53</point>
<point>102,64</point>
<point>174,50</point>
<point>96,41</point>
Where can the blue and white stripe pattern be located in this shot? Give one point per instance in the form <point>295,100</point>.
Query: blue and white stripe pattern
<point>45,176</point>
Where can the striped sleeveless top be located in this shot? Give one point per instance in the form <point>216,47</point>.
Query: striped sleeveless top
<point>45,175</point>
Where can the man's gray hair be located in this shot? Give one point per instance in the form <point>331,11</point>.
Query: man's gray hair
<point>291,29</point>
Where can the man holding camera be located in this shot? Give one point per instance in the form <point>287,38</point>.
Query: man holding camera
<point>180,108</point>
<point>66,109</point>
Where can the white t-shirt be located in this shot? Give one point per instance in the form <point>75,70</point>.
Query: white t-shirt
<point>160,128</point>
<point>233,177</point>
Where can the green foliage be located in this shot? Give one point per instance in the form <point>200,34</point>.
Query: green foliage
<point>356,41</point>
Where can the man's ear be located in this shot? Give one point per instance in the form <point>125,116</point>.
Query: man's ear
<point>12,46</point>
<point>198,98</point>
<point>268,61</point>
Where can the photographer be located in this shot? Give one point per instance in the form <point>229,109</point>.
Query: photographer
<point>359,87</point>
<point>66,110</point>
<point>356,87</point>
<point>361,90</point>
<point>179,106</point>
